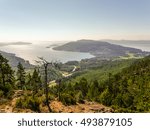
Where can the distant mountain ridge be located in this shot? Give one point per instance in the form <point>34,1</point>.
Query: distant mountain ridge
<point>99,48</point>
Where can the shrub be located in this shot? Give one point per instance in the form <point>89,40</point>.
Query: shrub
<point>29,103</point>
<point>10,94</point>
<point>1,93</point>
<point>67,99</point>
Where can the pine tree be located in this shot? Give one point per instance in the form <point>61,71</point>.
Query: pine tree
<point>29,81</point>
<point>6,76</point>
<point>21,76</point>
<point>36,82</point>
<point>93,90</point>
<point>83,86</point>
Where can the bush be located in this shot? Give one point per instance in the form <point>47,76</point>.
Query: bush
<point>1,93</point>
<point>29,103</point>
<point>67,99</point>
<point>10,94</point>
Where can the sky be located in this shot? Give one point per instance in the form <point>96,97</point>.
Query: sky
<point>65,20</point>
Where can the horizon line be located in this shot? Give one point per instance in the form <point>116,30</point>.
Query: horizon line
<point>8,41</point>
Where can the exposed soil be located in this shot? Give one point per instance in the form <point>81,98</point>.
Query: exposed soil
<point>56,106</point>
<point>87,107</point>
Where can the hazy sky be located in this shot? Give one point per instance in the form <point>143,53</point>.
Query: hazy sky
<point>74,19</point>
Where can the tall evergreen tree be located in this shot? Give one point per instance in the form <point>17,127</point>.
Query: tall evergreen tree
<point>82,86</point>
<point>29,81</point>
<point>21,75</point>
<point>36,82</point>
<point>93,90</point>
<point>6,76</point>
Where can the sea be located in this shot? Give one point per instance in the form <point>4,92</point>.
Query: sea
<point>31,52</point>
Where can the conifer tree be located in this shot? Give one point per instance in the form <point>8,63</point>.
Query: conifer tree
<point>29,81</point>
<point>36,82</point>
<point>6,76</point>
<point>21,75</point>
<point>93,90</point>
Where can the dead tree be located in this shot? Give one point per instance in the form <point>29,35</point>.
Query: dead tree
<point>45,64</point>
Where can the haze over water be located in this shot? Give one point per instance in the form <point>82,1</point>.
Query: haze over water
<point>31,52</point>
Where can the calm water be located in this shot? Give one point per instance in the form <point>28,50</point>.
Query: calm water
<point>31,52</point>
<point>144,46</point>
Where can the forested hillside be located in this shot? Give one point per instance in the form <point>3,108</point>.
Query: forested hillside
<point>125,90</point>
<point>122,86</point>
<point>101,49</point>
<point>129,89</point>
<point>101,72</point>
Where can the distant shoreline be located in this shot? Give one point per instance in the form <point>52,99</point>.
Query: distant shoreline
<point>14,43</point>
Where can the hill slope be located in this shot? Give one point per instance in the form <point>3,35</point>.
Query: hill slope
<point>122,85</point>
<point>129,89</point>
<point>101,72</point>
<point>14,60</point>
<point>98,48</point>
